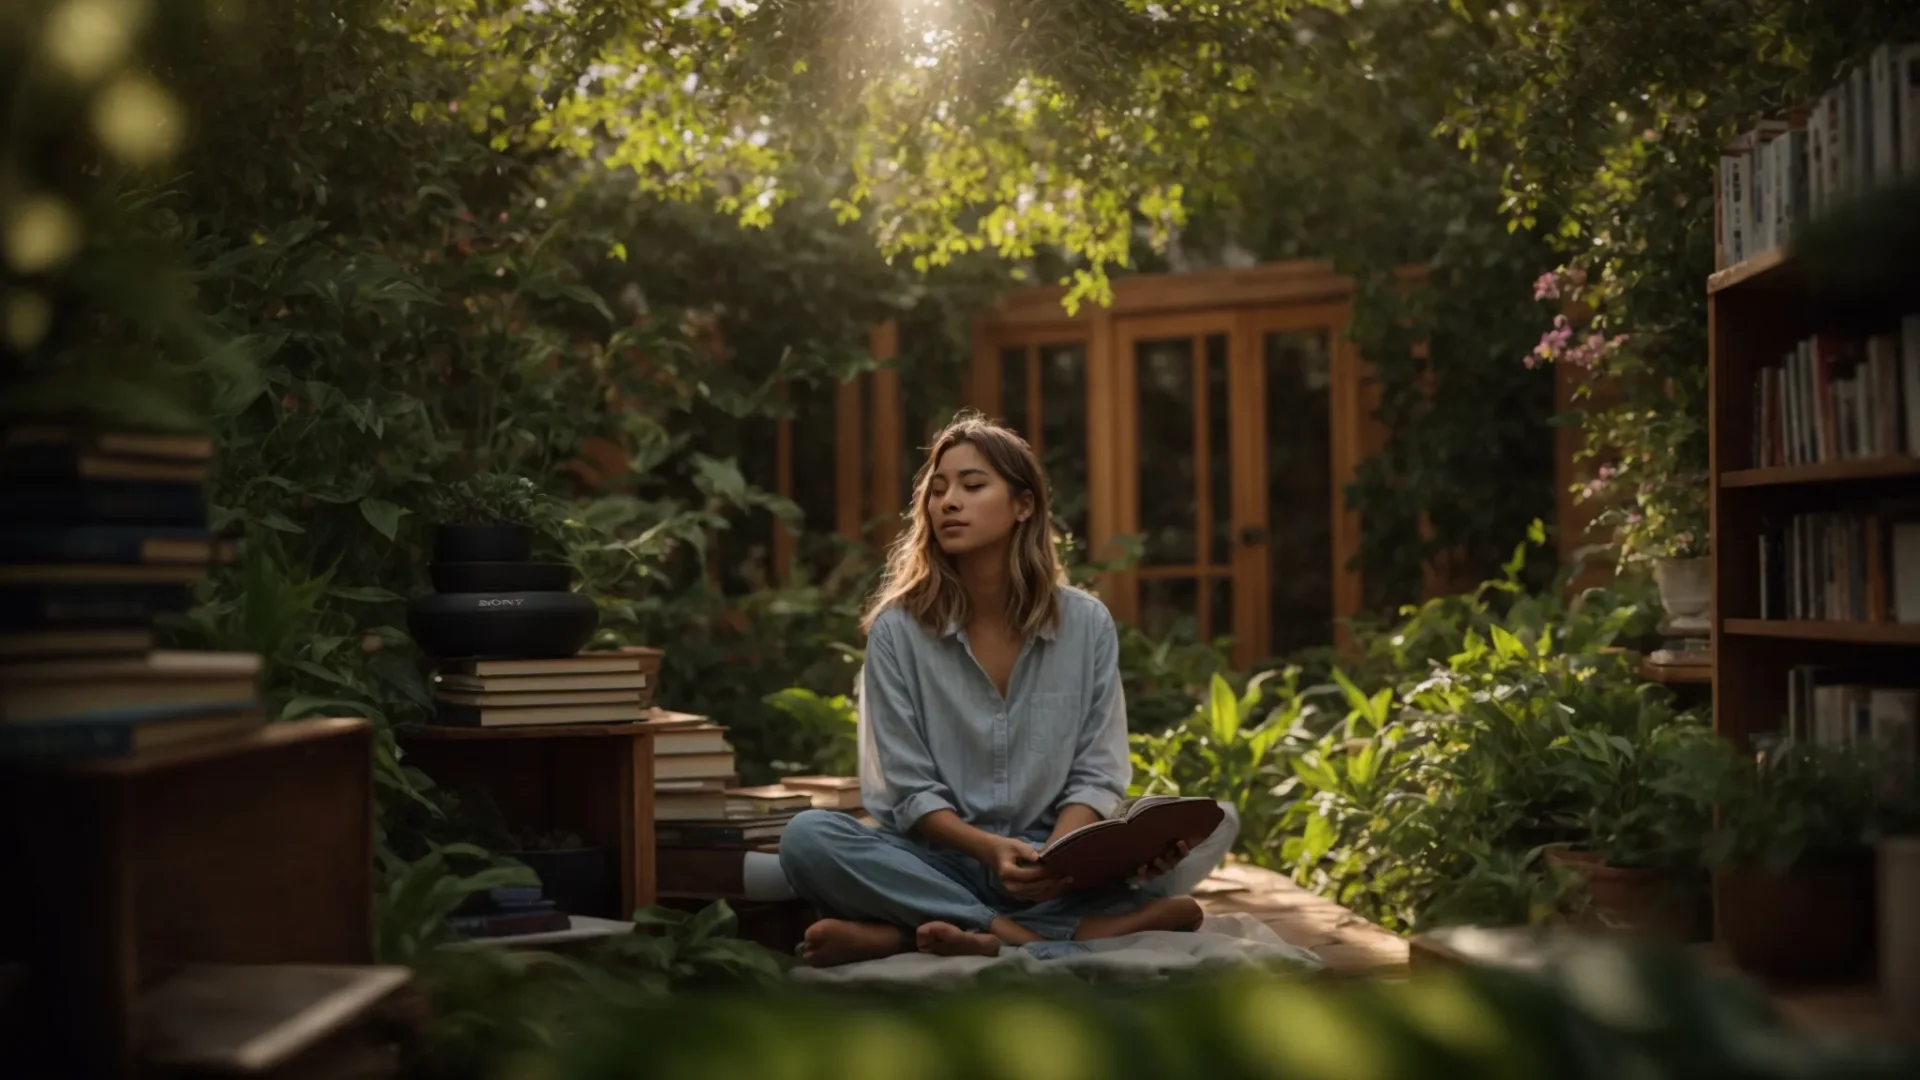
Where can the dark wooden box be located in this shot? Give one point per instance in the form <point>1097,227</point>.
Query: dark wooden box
<point>251,850</point>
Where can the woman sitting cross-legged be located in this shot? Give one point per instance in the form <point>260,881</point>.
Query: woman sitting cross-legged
<point>992,720</point>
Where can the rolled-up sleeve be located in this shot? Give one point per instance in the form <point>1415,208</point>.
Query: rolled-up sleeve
<point>1102,769</point>
<point>907,773</point>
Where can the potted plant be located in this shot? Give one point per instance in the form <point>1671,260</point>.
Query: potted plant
<point>1793,851</point>
<point>578,879</point>
<point>1642,832</point>
<point>1660,518</point>
<point>485,518</point>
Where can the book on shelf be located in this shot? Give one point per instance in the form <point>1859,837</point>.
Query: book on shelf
<point>454,714</point>
<point>702,805</point>
<point>122,734</point>
<point>1836,398</point>
<point>112,689</point>
<point>114,574</point>
<point>720,833</point>
<point>1861,134</point>
<point>692,766</point>
<point>693,739</point>
<point>158,663</point>
<point>509,924</point>
<point>127,544</point>
<point>505,911</point>
<point>728,804</point>
<point>549,698</point>
<point>696,784</point>
<point>526,684</point>
<point>153,445</point>
<point>828,792</point>
<point>766,799</point>
<point>29,609</point>
<point>586,663</point>
<point>74,641</point>
<point>1854,566</point>
<point>1111,850</point>
<point>1829,707</point>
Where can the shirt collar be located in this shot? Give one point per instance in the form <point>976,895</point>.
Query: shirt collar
<point>1047,632</point>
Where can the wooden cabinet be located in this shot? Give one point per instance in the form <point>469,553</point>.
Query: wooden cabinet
<point>1217,416</point>
<point>251,850</point>
<point>592,780</point>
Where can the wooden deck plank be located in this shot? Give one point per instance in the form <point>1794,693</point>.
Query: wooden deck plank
<point>1347,943</point>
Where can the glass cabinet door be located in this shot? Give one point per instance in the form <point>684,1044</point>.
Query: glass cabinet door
<point>1039,389</point>
<point>1176,380</point>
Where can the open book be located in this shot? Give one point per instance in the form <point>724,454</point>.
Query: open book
<point>1109,851</point>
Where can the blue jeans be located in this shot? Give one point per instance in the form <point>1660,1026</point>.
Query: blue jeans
<point>852,871</point>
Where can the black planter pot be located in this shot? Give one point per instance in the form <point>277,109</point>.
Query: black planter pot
<point>516,625</point>
<point>500,542</point>
<point>500,577</point>
<point>579,881</point>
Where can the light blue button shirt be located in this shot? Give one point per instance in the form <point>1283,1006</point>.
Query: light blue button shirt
<point>935,732</point>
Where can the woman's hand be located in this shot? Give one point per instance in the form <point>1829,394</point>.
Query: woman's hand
<point>1162,864</point>
<point>1016,863</point>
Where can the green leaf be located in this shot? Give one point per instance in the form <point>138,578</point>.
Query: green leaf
<point>307,705</point>
<point>1506,645</point>
<point>382,515</point>
<point>1318,838</point>
<point>279,522</point>
<point>714,920</point>
<point>1223,709</point>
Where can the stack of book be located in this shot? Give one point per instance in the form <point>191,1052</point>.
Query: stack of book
<point>829,792</point>
<point>508,911</point>
<point>116,706</point>
<point>704,837</point>
<point>105,532</point>
<point>591,688</point>
<point>704,822</point>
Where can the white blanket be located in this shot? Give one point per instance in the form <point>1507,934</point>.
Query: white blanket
<point>1222,941</point>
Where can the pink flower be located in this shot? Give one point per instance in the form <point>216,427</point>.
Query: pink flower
<point>1547,287</point>
<point>503,216</point>
<point>453,106</point>
<point>1607,472</point>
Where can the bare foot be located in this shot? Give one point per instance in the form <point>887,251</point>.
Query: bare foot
<point>832,942</point>
<point>946,939</point>
<point>1166,913</point>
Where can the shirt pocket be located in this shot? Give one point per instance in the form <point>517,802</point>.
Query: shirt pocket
<point>1053,725</point>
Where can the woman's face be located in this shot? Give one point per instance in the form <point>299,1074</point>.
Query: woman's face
<point>969,506</point>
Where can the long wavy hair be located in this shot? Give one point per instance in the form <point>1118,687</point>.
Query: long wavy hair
<point>924,580</point>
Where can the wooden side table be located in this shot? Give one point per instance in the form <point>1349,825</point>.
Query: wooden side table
<point>253,849</point>
<point>595,780</point>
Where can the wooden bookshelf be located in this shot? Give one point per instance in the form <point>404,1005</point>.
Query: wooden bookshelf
<point>1757,311</point>
<point>1827,472</point>
<point>1852,633</point>
<point>1768,270</point>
